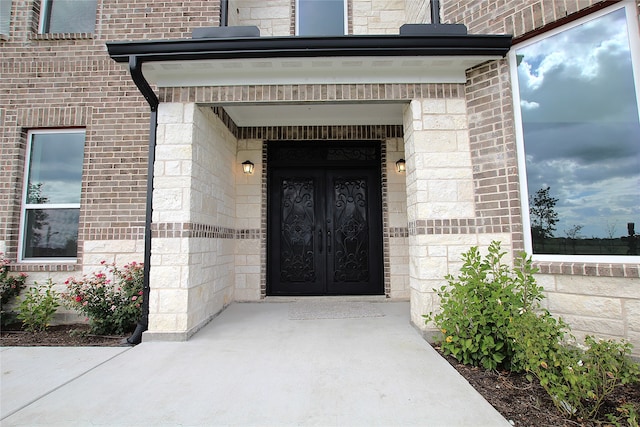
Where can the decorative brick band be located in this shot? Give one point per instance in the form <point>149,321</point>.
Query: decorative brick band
<point>458,226</point>
<point>114,233</point>
<point>53,116</point>
<point>585,269</point>
<point>40,268</point>
<point>62,36</point>
<point>375,132</point>
<point>194,230</point>
<point>398,232</point>
<point>311,92</point>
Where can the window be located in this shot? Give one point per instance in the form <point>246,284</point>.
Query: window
<point>51,196</point>
<point>578,131</point>
<point>321,17</point>
<point>68,16</point>
<point>5,17</point>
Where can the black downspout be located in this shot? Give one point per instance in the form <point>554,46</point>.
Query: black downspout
<point>435,12</point>
<point>135,68</point>
<point>224,13</point>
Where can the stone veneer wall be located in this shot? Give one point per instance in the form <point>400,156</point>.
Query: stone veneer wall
<point>443,221</point>
<point>250,251</point>
<point>396,233</point>
<point>193,259</point>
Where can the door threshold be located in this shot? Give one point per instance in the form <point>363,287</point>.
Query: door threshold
<point>337,298</point>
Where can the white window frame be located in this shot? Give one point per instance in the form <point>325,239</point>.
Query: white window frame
<point>634,46</point>
<point>25,206</point>
<point>44,13</point>
<point>345,21</point>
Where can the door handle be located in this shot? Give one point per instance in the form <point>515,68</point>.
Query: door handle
<point>320,239</point>
<point>328,241</point>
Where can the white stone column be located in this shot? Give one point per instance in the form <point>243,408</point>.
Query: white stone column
<point>440,198</point>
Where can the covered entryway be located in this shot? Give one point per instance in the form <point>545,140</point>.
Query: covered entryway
<point>324,219</point>
<point>225,100</point>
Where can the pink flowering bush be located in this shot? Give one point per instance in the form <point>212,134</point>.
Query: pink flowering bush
<point>10,287</point>
<point>111,300</point>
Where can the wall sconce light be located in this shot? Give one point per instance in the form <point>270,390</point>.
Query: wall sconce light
<point>401,166</point>
<point>247,167</point>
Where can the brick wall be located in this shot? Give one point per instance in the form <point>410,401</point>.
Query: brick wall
<point>68,80</point>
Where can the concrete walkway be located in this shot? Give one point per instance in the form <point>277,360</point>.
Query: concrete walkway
<point>260,364</point>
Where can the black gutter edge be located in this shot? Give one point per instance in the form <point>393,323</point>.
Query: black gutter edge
<point>135,68</point>
<point>288,47</point>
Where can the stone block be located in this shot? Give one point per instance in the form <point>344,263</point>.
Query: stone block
<point>172,301</point>
<point>170,112</point>
<point>600,286</point>
<point>165,277</point>
<point>456,106</point>
<point>167,199</point>
<point>433,141</point>
<point>547,281</point>
<point>178,134</point>
<point>433,106</point>
<point>600,326</point>
<point>632,314</point>
<point>563,304</point>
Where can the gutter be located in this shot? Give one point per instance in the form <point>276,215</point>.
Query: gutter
<point>411,44</point>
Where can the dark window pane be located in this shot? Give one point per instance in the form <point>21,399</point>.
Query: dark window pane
<point>71,16</point>
<point>582,138</point>
<point>320,17</point>
<point>51,233</point>
<point>55,172</point>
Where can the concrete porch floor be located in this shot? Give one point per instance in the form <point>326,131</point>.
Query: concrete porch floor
<point>251,366</point>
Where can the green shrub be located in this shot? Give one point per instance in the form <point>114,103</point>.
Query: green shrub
<point>38,307</point>
<point>478,306</point>
<point>579,380</point>
<point>113,307</point>
<point>491,316</point>
<point>10,287</point>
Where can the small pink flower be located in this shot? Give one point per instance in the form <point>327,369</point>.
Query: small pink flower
<point>133,298</point>
<point>140,293</point>
<point>113,308</point>
<point>85,303</point>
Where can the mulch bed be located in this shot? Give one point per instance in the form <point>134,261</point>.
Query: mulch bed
<point>519,401</point>
<point>526,403</point>
<point>57,336</point>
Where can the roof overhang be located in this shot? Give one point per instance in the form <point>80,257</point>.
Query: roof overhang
<point>432,58</point>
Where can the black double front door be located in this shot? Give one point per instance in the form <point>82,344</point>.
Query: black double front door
<point>324,220</point>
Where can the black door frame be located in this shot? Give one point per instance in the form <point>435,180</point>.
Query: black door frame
<point>328,158</point>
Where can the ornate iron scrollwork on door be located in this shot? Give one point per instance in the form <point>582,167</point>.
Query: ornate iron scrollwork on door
<point>351,233</point>
<point>297,225</point>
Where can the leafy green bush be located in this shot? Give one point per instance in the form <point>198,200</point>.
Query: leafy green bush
<point>491,316</point>
<point>112,306</point>
<point>579,380</point>
<point>10,287</point>
<point>38,307</point>
<point>479,305</point>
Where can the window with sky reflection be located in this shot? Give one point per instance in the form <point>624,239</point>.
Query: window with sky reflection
<point>581,131</point>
